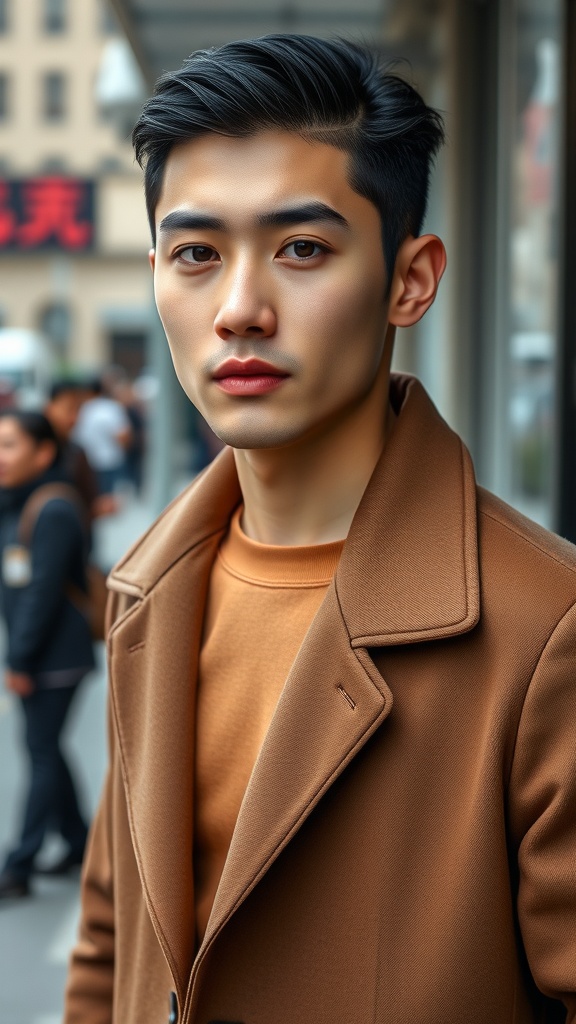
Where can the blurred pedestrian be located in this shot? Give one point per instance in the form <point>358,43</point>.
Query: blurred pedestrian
<point>62,409</point>
<point>135,450</point>
<point>104,432</point>
<point>49,651</point>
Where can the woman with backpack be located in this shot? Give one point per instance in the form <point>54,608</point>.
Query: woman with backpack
<point>49,645</point>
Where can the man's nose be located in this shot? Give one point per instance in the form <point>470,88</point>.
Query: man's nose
<point>246,310</point>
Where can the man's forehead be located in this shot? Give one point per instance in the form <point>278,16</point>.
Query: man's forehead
<point>265,146</point>
<point>254,177</point>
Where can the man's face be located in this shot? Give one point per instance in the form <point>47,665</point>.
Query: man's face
<point>270,282</point>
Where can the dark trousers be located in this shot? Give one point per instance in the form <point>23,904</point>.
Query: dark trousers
<point>51,801</point>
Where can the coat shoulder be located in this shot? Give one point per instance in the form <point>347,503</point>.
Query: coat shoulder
<point>199,513</point>
<point>544,543</point>
<point>528,562</point>
<point>156,544</point>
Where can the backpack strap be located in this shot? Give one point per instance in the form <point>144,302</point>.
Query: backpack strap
<point>36,502</point>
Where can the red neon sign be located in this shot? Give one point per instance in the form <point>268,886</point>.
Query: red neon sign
<point>47,213</point>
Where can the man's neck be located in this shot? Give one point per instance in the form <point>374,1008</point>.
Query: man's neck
<point>308,493</point>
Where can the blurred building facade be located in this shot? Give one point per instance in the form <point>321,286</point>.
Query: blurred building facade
<point>73,232</point>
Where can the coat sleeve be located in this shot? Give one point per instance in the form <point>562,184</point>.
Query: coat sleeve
<point>90,986</point>
<point>543,817</point>
<point>56,543</point>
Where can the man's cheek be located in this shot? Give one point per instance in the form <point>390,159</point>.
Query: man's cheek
<point>176,326</point>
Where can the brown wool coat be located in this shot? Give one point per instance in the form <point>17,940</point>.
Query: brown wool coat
<point>406,850</point>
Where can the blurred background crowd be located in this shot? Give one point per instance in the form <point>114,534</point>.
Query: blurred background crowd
<point>81,341</point>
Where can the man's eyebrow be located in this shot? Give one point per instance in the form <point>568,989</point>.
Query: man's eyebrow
<point>302,214</point>
<point>184,220</point>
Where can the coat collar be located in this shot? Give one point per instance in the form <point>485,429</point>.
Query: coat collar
<point>408,572</point>
<point>414,536</point>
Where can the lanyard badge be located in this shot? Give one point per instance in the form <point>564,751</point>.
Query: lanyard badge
<point>16,566</point>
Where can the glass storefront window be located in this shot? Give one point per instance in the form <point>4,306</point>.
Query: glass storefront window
<point>533,255</point>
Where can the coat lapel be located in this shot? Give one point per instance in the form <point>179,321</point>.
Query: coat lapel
<point>413,544</point>
<point>332,702</point>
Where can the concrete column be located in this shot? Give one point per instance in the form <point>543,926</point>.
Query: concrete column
<point>162,427</point>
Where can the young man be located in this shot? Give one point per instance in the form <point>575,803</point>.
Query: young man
<point>343,711</point>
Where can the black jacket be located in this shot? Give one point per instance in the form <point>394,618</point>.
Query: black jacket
<point>46,631</point>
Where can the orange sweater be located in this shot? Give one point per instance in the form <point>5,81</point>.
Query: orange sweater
<point>261,601</point>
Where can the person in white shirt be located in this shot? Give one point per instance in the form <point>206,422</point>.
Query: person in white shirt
<point>103,430</point>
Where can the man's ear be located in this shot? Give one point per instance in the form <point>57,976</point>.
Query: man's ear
<point>419,266</point>
<point>152,258</point>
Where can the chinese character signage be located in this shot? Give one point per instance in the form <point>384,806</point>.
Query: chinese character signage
<point>46,213</point>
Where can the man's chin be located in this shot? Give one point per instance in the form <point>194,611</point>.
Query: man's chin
<point>255,437</point>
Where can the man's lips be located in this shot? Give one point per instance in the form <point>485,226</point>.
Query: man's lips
<point>249,377</point>
<point>247,368</point>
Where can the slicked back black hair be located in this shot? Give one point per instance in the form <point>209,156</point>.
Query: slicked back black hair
<point>331,91</point>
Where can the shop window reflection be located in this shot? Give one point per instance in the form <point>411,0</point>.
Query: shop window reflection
<point>534,260</point>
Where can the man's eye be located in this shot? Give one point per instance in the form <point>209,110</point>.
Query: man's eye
<point>302,250</point>
<point>198,254</point>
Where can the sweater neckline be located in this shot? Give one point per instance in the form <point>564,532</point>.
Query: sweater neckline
<point>276,564</point>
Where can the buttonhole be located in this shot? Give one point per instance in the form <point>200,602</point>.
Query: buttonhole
<point>346,696</point>
<point>137,647</point>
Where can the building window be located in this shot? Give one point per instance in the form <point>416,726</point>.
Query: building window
<point>4,86</point>
<point>54,16</point>
<point>110,165</point>
<point>54,96</point>
<point>55,322</point>
<point>3,16</point>
<point>53,165</point>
